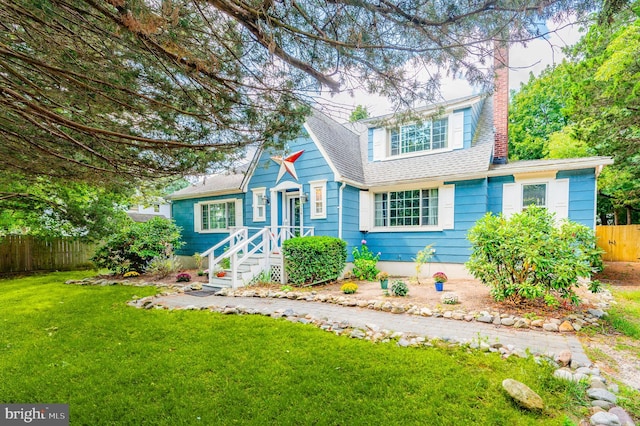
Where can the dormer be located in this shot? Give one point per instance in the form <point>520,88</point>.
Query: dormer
<point>439,129</point>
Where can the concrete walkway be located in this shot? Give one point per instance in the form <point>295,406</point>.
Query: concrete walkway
<point>535,341</point>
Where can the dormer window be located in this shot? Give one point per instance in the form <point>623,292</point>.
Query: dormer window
<point>428,136</point>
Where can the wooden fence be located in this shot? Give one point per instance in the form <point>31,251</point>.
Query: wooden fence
<point>621,243</point>
<point>20,254</point>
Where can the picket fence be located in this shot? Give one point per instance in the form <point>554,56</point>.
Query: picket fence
<point>22,254</point>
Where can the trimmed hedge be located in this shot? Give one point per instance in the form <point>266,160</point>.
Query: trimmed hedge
<point>312,260</point>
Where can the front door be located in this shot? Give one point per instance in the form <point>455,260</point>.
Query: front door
<point>292,215</point>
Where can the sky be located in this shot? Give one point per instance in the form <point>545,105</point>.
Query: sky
<point>523,60</point>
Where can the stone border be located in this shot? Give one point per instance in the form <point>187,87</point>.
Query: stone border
<point>567,324</point>
<point>570,323</point>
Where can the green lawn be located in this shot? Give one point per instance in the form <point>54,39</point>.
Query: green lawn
<point>115,364</point>
<point>625,316</point>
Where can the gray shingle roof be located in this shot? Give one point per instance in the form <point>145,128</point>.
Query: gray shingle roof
<point>341,145</point>
<point>211,185</point>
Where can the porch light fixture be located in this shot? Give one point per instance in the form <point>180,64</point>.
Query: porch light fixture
<point>263,200</point>
<point>304,197</point>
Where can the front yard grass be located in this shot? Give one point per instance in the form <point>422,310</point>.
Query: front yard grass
<point>115,364</point>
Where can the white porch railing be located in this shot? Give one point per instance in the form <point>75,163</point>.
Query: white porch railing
<point>281,233</point>
<point>242,248</point>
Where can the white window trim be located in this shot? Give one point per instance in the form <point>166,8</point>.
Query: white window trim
<point>557,197</point>
<point>197,217</point>
<point>446,196</point>
<point>312,195</point>
<point>259,193</point>
<point>401,154</point>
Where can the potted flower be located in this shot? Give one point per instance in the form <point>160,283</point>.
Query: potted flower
<point>439,278</point>
<point>384,279</point>
<point>221,273</point>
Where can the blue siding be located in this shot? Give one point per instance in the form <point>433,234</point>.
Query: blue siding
<point>451,245</point>
<point>495,193</point>
<point>582,192</point>
<point>182,213</point>
<point>310,166</point>
<point>351,219</point>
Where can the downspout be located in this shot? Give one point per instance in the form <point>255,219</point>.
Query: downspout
<point>344,184</point>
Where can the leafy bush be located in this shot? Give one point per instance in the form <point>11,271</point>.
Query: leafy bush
<point>399,288</point>
<point>529,256</point>
<point>134,246</point>
<point>349,288</point>
<point>162,266</point>
<point>449,298</point>
<point>315,259</point>
<point>364,262</point>
<point>183,278</point>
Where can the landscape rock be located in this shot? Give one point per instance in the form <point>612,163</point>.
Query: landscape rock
<point>624,417</point>
<point>550,326</point>
<point>563,358</point>
<point>598,313</point>
<point>565,327</point>
<point>563,374</point>
<point>605,419</point>
<point>602,394</point>
<point>602,404</point>
<point>507,321</point>
<point>520,392</point>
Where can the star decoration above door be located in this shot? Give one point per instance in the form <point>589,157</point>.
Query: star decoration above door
<point>286,165</point>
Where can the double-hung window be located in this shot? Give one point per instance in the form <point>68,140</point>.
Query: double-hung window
<point>217,215</point>
<point>428,136</point>
<point>534,195</point>
<point>318,191</point>
<point>418,207</point>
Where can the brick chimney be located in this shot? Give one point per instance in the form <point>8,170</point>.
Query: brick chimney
<point>501,102</point>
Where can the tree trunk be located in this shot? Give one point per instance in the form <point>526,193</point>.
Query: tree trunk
<point>628,216</point>
<point>615,217</point>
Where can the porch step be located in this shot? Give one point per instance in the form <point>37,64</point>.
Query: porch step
<point>219,282</point>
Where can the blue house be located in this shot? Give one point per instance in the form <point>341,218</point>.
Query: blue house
<point>398,185</point>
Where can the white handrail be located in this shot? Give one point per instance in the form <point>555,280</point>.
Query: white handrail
<point>240,234</point>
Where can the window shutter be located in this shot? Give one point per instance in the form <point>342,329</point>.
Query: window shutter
<point>365,208</point>
<point>511,199</point>
<point>559,198</point>
<point>379,144</point>
<point>197,217</point>
<point>239,213</point>
<point>446,202</point>
<point>456,130</point>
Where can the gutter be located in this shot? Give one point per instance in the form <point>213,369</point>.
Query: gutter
<point>340,191</point>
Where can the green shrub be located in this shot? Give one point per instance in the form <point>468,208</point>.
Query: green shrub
<point>315,259</point>
<point>349,287</point>
<point>399,288</point>
<point>364,262</point>
<point>161,266</point>
<point>133,247</point>
<point>529,256</point>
